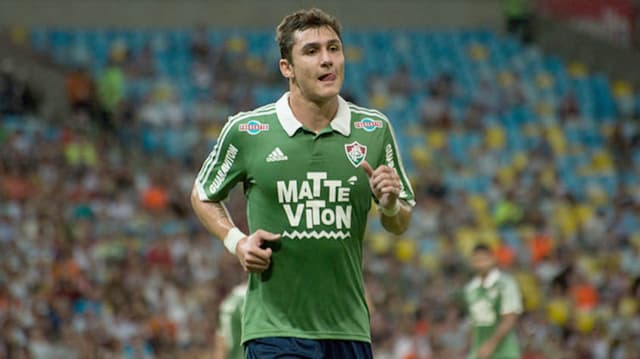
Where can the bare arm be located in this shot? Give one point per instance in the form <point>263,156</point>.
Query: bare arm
<point>399,223</point>
<point>385,185</point>
<point>220,348</point>
<point>215,217</point>
<point>507,322</point>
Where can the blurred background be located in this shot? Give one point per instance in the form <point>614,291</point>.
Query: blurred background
<point>518,121</point>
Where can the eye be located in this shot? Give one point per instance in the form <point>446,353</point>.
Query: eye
<point>310,51</point>
<point>334,48</point>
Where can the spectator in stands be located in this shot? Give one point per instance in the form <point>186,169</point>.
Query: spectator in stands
<point>435,111</point>
<point>142,64</point>
<point>199,47</point>
<point>111,86</point>
<point>519,19</point>
<point>80,91</point>
<point>401,83</point>
<point>16,94</point>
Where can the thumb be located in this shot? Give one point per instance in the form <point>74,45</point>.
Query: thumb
<point>367,168</point>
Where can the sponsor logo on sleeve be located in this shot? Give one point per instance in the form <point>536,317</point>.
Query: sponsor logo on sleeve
<point>368,124</point>
<point>253,127</point>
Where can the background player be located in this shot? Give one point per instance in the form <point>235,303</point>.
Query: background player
<point>494,303</point>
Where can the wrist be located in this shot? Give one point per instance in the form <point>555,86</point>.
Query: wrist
<point>393,211</point>
<point>231,240</point>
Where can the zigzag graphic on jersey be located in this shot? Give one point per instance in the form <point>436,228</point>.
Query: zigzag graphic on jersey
<point>316,235</point>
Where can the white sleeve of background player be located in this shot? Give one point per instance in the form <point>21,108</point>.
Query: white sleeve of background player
<point>511,300</point>
<point>392,158</point>
<point>223,168</point>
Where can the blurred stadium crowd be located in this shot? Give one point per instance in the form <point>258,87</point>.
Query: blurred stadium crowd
<point>100,252</point>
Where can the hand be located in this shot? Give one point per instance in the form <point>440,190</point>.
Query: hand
<point>251,255</point>
<point>486,350</point>
<point>385,184</point>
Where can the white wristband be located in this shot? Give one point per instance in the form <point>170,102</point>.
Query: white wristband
<point>393,211</point>
<point>231,240</point>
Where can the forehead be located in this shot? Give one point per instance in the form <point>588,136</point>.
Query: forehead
<point>320,34</point>
<point>481,255</point>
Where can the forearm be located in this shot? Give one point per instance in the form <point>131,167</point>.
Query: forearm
<point>507,322</point>
<point>399,223</point>
<point>220,348</point>
<point>213,215</point>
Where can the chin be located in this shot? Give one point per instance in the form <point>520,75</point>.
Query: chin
<point>328,93</point>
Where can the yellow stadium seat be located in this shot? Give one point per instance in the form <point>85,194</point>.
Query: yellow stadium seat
<point>237,44</point>
<point>478,52</point>
<point>495,137</point>
<point>506,175</point>
<point>558,311</point>
<point>429,262</point>
<point>584,213</point>
<point>544,80</point>
<point>544,109</point>
<point>577,69</point>
<point>436,139</point>
<point>622,89</point>
<point>585,321</point>
<point>421,156</point>
<point>405,250</point>
<point>520,161</point>
<point>353,54</point>
<point>18,35</point>
<point>628,307</point>
<point>380,101</point>
<point>556,139</point>
<point>602,161</point>
<point>531,295</point>
<point>505,78</point>
<point>380,243</point>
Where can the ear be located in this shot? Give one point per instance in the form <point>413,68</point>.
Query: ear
<point>286,68</point>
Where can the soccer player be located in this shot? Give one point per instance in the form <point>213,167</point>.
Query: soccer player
<point>494,303</point>
<point>228,336</point>
<point>310,165</point>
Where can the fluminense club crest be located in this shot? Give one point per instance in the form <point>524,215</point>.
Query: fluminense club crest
<point>356,153</point>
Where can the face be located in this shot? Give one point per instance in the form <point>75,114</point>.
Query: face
<point>316,69</point>
<point>482,262</point>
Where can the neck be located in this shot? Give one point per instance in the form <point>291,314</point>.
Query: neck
<point>314,115</point>
<point>485,274</point>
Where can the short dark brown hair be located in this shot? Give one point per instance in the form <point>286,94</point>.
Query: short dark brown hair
<point>482,248</point>
<point>299,21</point>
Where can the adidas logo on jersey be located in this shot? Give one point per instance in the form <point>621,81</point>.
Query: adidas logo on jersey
<point>277,155</point>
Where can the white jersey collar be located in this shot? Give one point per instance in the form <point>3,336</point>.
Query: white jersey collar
<point>341,122</point>
<point>492,278</point>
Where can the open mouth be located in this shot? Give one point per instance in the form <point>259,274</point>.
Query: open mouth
<point>327,77</point>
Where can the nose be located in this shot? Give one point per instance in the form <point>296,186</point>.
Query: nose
<point>326,59</point>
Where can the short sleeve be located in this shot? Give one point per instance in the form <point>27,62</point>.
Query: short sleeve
<point>511,297</point>
<point>393,159</point>
<point>223,168</point>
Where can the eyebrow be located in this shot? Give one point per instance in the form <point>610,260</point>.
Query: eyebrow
<point>318,44</point>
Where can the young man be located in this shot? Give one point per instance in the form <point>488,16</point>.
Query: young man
<point>493,301</point>
<point>228,335</point>
<point>310,164</point>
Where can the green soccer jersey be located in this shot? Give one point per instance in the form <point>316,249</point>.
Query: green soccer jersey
<point>230,322</point>
<point>486,303</point>
<point>309,188</point>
